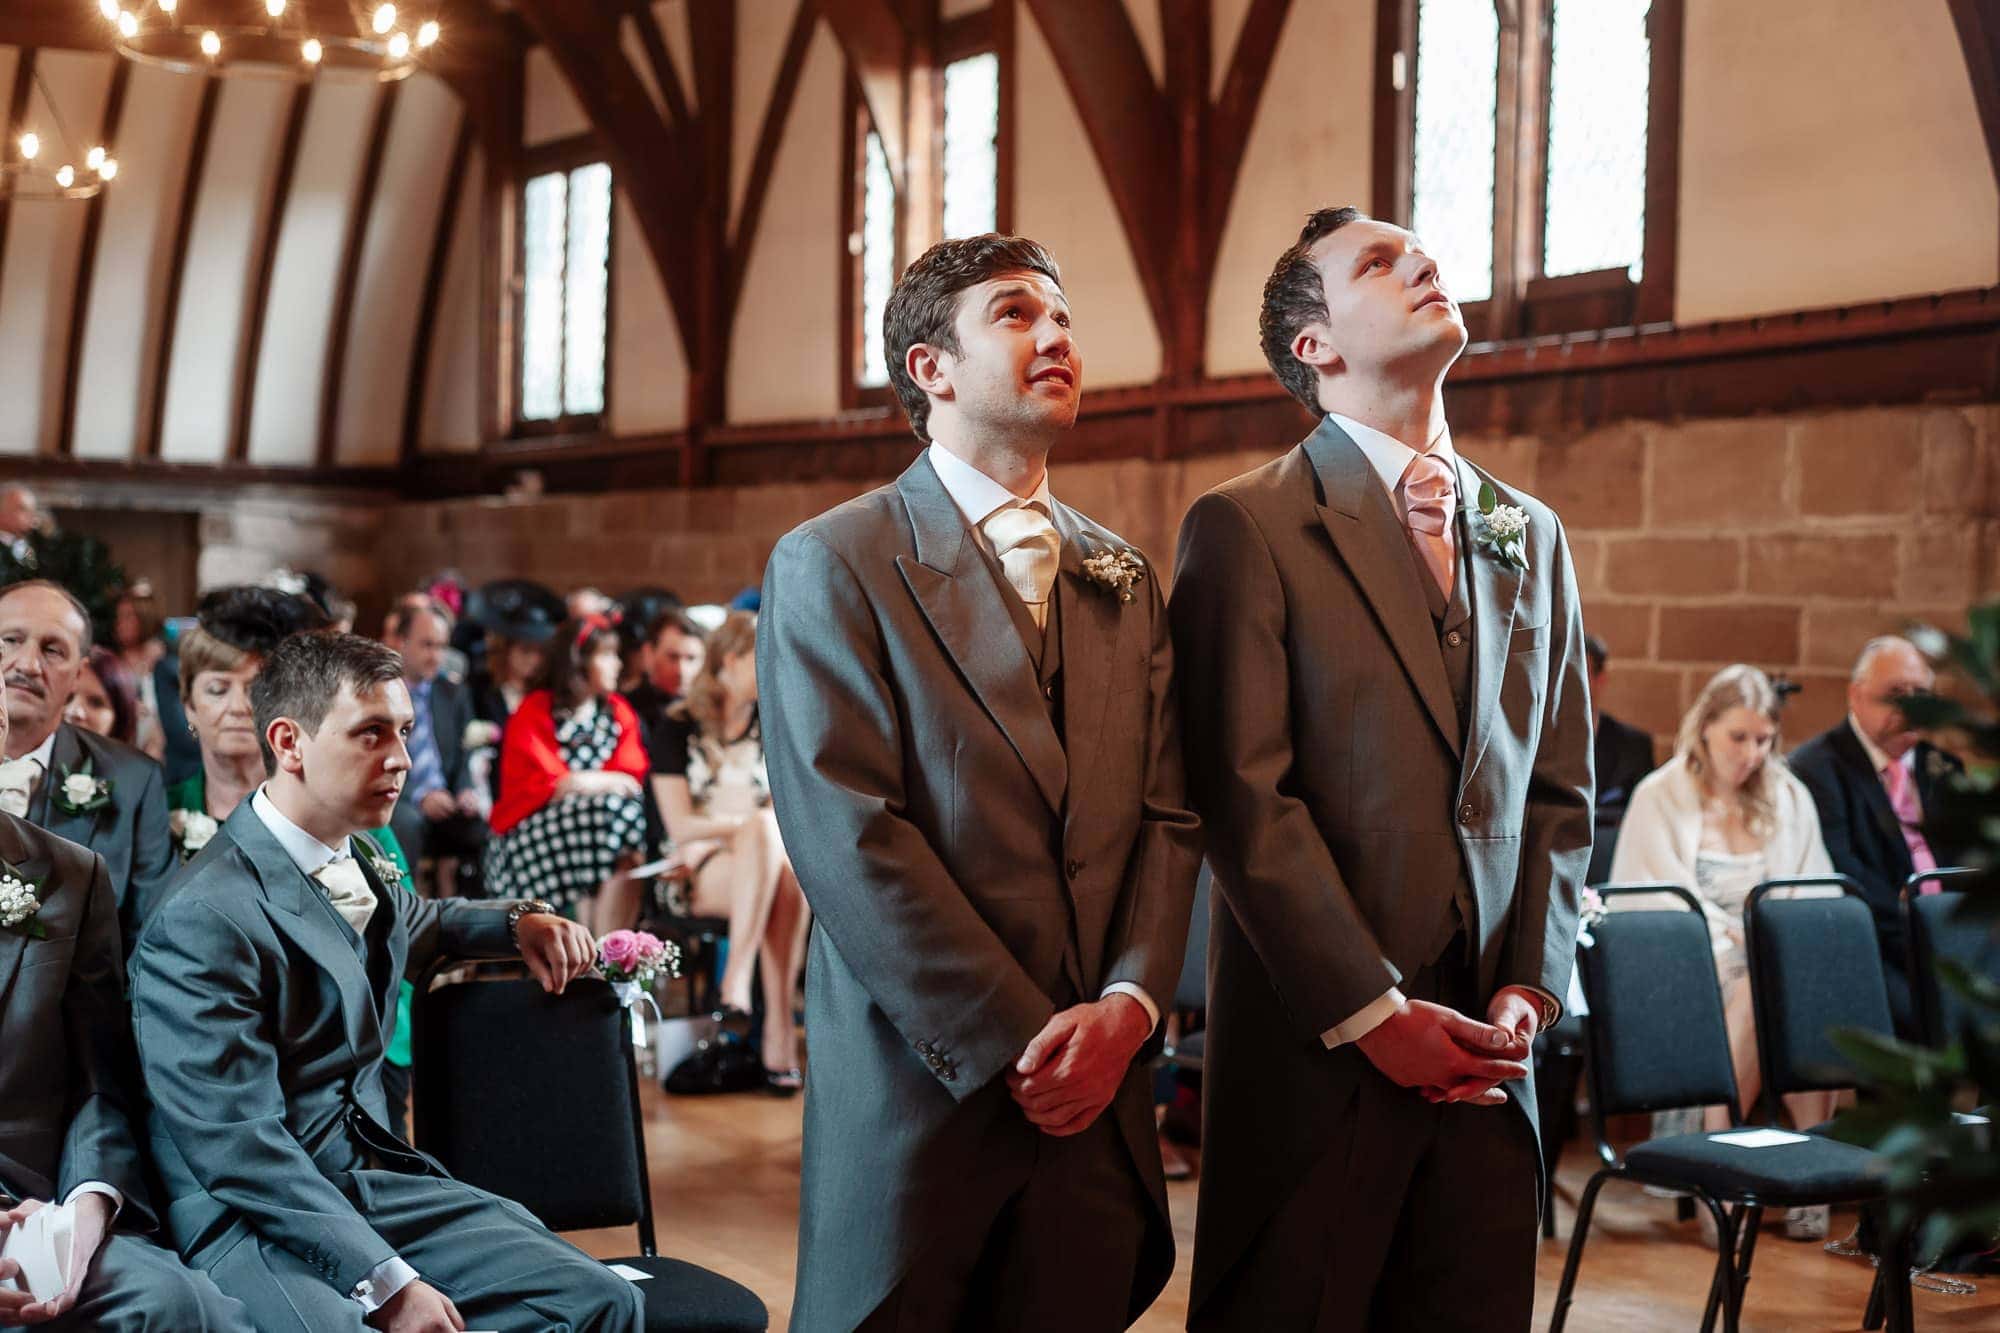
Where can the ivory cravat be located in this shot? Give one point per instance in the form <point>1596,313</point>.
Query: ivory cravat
<point>1029,552</point>
<point>17,784</point>
<point>1902,790</point>
<point>347,889</point>
<point>1428,501</point>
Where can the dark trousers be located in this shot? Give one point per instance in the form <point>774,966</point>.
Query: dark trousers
<point>1416,1217</point>
<point>1061,1252</point>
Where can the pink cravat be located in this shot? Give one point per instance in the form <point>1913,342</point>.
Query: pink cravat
<point>1903,800</point>
<point>1428,499</point>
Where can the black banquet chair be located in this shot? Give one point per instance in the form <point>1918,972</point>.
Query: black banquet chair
<point>1935,929</point>
<point>1658,1042</point>
<point>485,1118</point>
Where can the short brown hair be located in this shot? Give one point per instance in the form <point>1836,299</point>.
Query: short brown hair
<point>413,604</point>
<point>75,603</point>
<point>304,674</point>
<point>924,304</point>
<point>1294,296</point>
<point>677,620</point>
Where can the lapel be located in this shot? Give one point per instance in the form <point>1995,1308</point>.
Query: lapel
<point>1493,587</point>
<point>1370,541</point>
<point>1091,618</point>
<point>66,756</point>
<point>1861,775</point>
<point>384,946</point>
<point>963,604</point>
<point>303,915</point>
<point>15,849</point>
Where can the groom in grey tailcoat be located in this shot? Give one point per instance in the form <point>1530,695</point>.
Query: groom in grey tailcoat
<point>1388,731</point>
<point>262,994</point>
<point>966,705</point>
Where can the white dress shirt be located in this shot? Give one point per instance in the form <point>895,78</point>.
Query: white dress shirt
<point>309,854</point>
<point>978,498</point>
<point>1390,458</point>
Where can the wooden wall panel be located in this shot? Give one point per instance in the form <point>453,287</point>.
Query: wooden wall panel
<point>284,419</point>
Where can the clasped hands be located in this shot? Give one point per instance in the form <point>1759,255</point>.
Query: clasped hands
<point>19,1309</point>
<point>1073,1068</point>
<point>1451,1058</point>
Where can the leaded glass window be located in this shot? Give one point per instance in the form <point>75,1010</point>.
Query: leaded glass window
<point>566,242</point>
<point>971,152</point>
<point>1458,52</point>
<point>1600,64</point>
<point>878,257</point>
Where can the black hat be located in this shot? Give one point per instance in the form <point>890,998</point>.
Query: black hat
<point>521,609</point>
<point>638,609</point>
<point>257,619</point>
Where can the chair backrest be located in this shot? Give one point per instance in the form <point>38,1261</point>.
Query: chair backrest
<point>535,1098</point>
<point>1815,965</point>
<point>1936,929</point>
<point>1657,1036</point>
<point>1191,991</point>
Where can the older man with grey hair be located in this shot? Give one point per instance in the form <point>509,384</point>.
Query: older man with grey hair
<point>1872,777</point>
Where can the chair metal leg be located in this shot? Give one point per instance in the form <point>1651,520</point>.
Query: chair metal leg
<point>1722,1292</point>
<point>1578,1233</point>
<point>1878,1300</point>
<point>1752,1220</point>
<point>1895,1275</point>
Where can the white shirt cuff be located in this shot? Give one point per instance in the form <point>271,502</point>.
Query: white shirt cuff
<point>1139,994</point>
<point>382,1284</point>
<point>98,1187</point>
<point>1360,1025</point>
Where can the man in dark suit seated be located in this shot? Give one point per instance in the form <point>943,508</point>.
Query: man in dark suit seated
<point>1624,754</point>
<point>439,814</point>
<point>76,784</point>
<point>261,997</point>
<point>1872,777</point>
<point>69,1087</point>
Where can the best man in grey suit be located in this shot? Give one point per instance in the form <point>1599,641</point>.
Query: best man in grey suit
<point>262,994</point>
<point>1388,735</point>
<point>45,633</point>
<point>70,1088</point>
<point>975,763</point>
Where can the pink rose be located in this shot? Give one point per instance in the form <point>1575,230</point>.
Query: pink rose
<point>651,950</point>
<point>619,949</point>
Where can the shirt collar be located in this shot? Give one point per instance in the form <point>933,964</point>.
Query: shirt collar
<point>308,853</point>
<point>1877,760</point>
<point>1389,456</point>
<point>977,495</point>
<point>45,753</point>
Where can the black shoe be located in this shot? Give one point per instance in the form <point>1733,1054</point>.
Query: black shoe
<point>716,1066</point>
<point>784,1082</point>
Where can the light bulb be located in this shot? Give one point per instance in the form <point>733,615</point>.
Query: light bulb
<point>31,145</point>
<point>275,8</point>
<point>65,175</point>
<point>311,50</point>
<point>127,25</point>
<point>108,8</point>
<point>385,18</point>
<point>211,45</point>
<point>427,35</point>
<point>109,170</point>
<point>169,6</point>
<point>399,46</point>
<point>94,158</point>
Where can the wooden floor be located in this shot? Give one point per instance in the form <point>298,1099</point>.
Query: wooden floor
<point>726,1184</point>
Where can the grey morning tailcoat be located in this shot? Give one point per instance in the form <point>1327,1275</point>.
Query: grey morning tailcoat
<point>969,868</point>
<point>68,1079</point>
<point>261,1019</point>
<point>1349,813</point>
<point>130,833</point>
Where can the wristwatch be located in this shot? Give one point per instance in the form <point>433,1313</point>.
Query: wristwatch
<point>525,907</point>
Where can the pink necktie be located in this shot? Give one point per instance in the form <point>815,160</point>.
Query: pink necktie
<point>1428,501</point>
<point>1903,800</point>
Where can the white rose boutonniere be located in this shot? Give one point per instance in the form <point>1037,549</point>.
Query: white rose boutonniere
<point>80,792</point>
<point>191,830</point>
<point>387,870</point>
<point>479,733</point>
<point>1501,530</point>
<point>1119,571</point>
<point>19,901</point>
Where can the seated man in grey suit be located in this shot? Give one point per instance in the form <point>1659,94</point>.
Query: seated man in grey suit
<point>68,1084</point>
<point>78,785</point>
<point>262,993</point>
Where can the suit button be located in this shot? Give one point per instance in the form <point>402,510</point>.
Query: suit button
<point>1074,867</point>
<point>1454,638</point>
<point>1466,814</point>
<point>923,1048</point>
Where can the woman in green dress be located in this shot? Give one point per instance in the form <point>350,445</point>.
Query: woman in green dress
<point>237,629</point>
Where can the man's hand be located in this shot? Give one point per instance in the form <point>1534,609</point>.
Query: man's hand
<point>556,950</point>
<point>1074,1066</point>
<point>1437,1049</point>
<point>93,1223</point>
<point>468,803</point>
<point>1515,1011</point>
<point>417,1308</point>
<point>438,805</point>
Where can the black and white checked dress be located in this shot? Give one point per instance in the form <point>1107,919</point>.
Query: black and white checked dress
<point>566,849</point>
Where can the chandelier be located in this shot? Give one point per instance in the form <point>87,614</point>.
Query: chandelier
<point>279,39</point>
<point>40,161</point>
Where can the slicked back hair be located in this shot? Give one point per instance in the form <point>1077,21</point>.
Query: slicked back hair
<point>924,304</point>
<point>306,673</point>
<point>1294,296</point>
